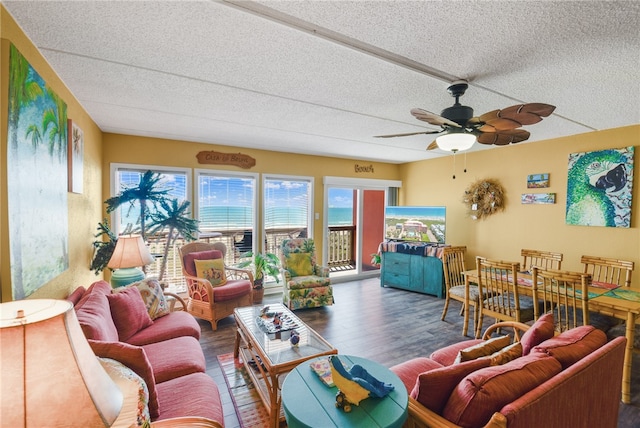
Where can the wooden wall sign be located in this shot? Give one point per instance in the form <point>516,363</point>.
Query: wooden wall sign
<point>363,168</point>
<point>218,158</point>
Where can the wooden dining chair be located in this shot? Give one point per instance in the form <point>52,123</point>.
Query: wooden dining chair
<point>607,271</point>
<point>498,280</point>
<point>541,259</point>
<point>563,293</point>
<point>453,265</point>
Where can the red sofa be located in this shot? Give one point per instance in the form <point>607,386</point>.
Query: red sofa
<point>569,380</point>
<point>160,346</point>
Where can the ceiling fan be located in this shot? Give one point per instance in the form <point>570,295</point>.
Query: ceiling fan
<point>461,130</point>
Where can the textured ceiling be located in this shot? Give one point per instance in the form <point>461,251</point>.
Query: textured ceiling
<point>324,77</point>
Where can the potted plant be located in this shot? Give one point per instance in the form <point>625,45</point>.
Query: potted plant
<point>262,263</point>
<point>103,249</point>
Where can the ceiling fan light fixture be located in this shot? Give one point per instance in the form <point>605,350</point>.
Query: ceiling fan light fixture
<point>456,141</point>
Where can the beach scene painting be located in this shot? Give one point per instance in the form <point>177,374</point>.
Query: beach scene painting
<point>538,198</point>
<point>537,181</point>
<point>36,179</point>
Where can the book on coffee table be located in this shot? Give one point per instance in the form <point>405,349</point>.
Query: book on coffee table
<point>322,368</point>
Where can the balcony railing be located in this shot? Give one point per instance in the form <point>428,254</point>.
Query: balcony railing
<point>341,250</point>
<point>341,247</point>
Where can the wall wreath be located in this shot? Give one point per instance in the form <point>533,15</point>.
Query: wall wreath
<point>483,198</point>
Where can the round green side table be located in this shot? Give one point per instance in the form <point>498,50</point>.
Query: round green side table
<point>308,402</point>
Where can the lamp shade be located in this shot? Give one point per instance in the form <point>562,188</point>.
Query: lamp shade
<point>130,252</point>
<point>50,375</point>
<point>456,141</point>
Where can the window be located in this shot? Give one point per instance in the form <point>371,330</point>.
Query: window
<point>287,209</point>
<point>227,205</point>
<point>175,180</point>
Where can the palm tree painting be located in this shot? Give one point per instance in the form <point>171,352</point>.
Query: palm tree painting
<point>37,179</point>
<point>599,188</point>
<point>76,156</point>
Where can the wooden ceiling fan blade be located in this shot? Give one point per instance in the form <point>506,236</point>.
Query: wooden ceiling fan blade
<point>432,118</point>
<point>522,114</point>
<point>503,138</point>
<point>490,115</point>
<point>500,124</point>
<point>527,114</point>
<point>433,146</point>
<point>406,134</point>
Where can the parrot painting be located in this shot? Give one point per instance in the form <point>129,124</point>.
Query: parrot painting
<point>355,384</point>
<point>593,182</point>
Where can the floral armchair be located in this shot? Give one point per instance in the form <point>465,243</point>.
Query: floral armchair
<point>306,284</point>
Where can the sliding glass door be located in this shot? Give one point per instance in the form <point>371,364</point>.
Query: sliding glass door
<point>354,225</point>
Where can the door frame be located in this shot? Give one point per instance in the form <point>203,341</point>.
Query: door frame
<point>359,184</point>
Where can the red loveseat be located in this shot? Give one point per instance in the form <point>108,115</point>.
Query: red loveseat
<point>569,380</point>
<point>163,350</point>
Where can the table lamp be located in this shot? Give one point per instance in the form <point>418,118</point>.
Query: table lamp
<point>50,375</point>
<point>130,254</point>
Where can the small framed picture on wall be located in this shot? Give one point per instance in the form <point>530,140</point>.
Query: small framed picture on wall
<point>537,181</point>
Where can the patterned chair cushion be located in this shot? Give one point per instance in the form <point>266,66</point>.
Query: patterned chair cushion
<point>299,264</point>
<point>310,281</point>
<point>309,297</point>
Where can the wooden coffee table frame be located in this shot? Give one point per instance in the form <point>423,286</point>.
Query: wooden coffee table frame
<point>277,357</point>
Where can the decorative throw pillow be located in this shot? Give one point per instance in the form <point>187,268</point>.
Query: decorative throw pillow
<point>433,388</point>
<point>212,271</point>
<point>129,383</point>
<point>299,264</point>
<point>483,349</point>
<point>153,297</point>
<point>128,312</point>
<point>572,345</point>
<point>482,393</point>
<point>94,316</point>
<point>189,259</point>
<point>136,359</point>
<point>540,331</point>
<point>505,355</point>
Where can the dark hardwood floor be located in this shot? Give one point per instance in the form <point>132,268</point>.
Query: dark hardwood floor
<point>386,325</point>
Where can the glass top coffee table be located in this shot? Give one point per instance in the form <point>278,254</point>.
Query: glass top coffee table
<point>269,356</point>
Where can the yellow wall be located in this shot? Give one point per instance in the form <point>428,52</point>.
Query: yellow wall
<point>85,210</point>
<point>543,227</point>
<point>424,183</point>
<point>153,151</point>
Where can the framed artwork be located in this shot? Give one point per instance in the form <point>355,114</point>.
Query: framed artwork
<point>537,181</point>
<point>599,188</point>
<point>36,179</point>
<point>75,156</point>
<point>538,198</point>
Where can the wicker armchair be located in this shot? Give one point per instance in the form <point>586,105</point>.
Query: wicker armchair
<point>206,301</point>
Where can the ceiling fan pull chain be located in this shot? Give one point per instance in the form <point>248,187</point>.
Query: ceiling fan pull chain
<point>465,162</point>
<point>454,164</point>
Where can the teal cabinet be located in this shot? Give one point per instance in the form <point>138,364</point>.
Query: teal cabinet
<point>422,274</point>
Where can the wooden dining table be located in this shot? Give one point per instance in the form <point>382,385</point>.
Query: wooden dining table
<point>621,303</point>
